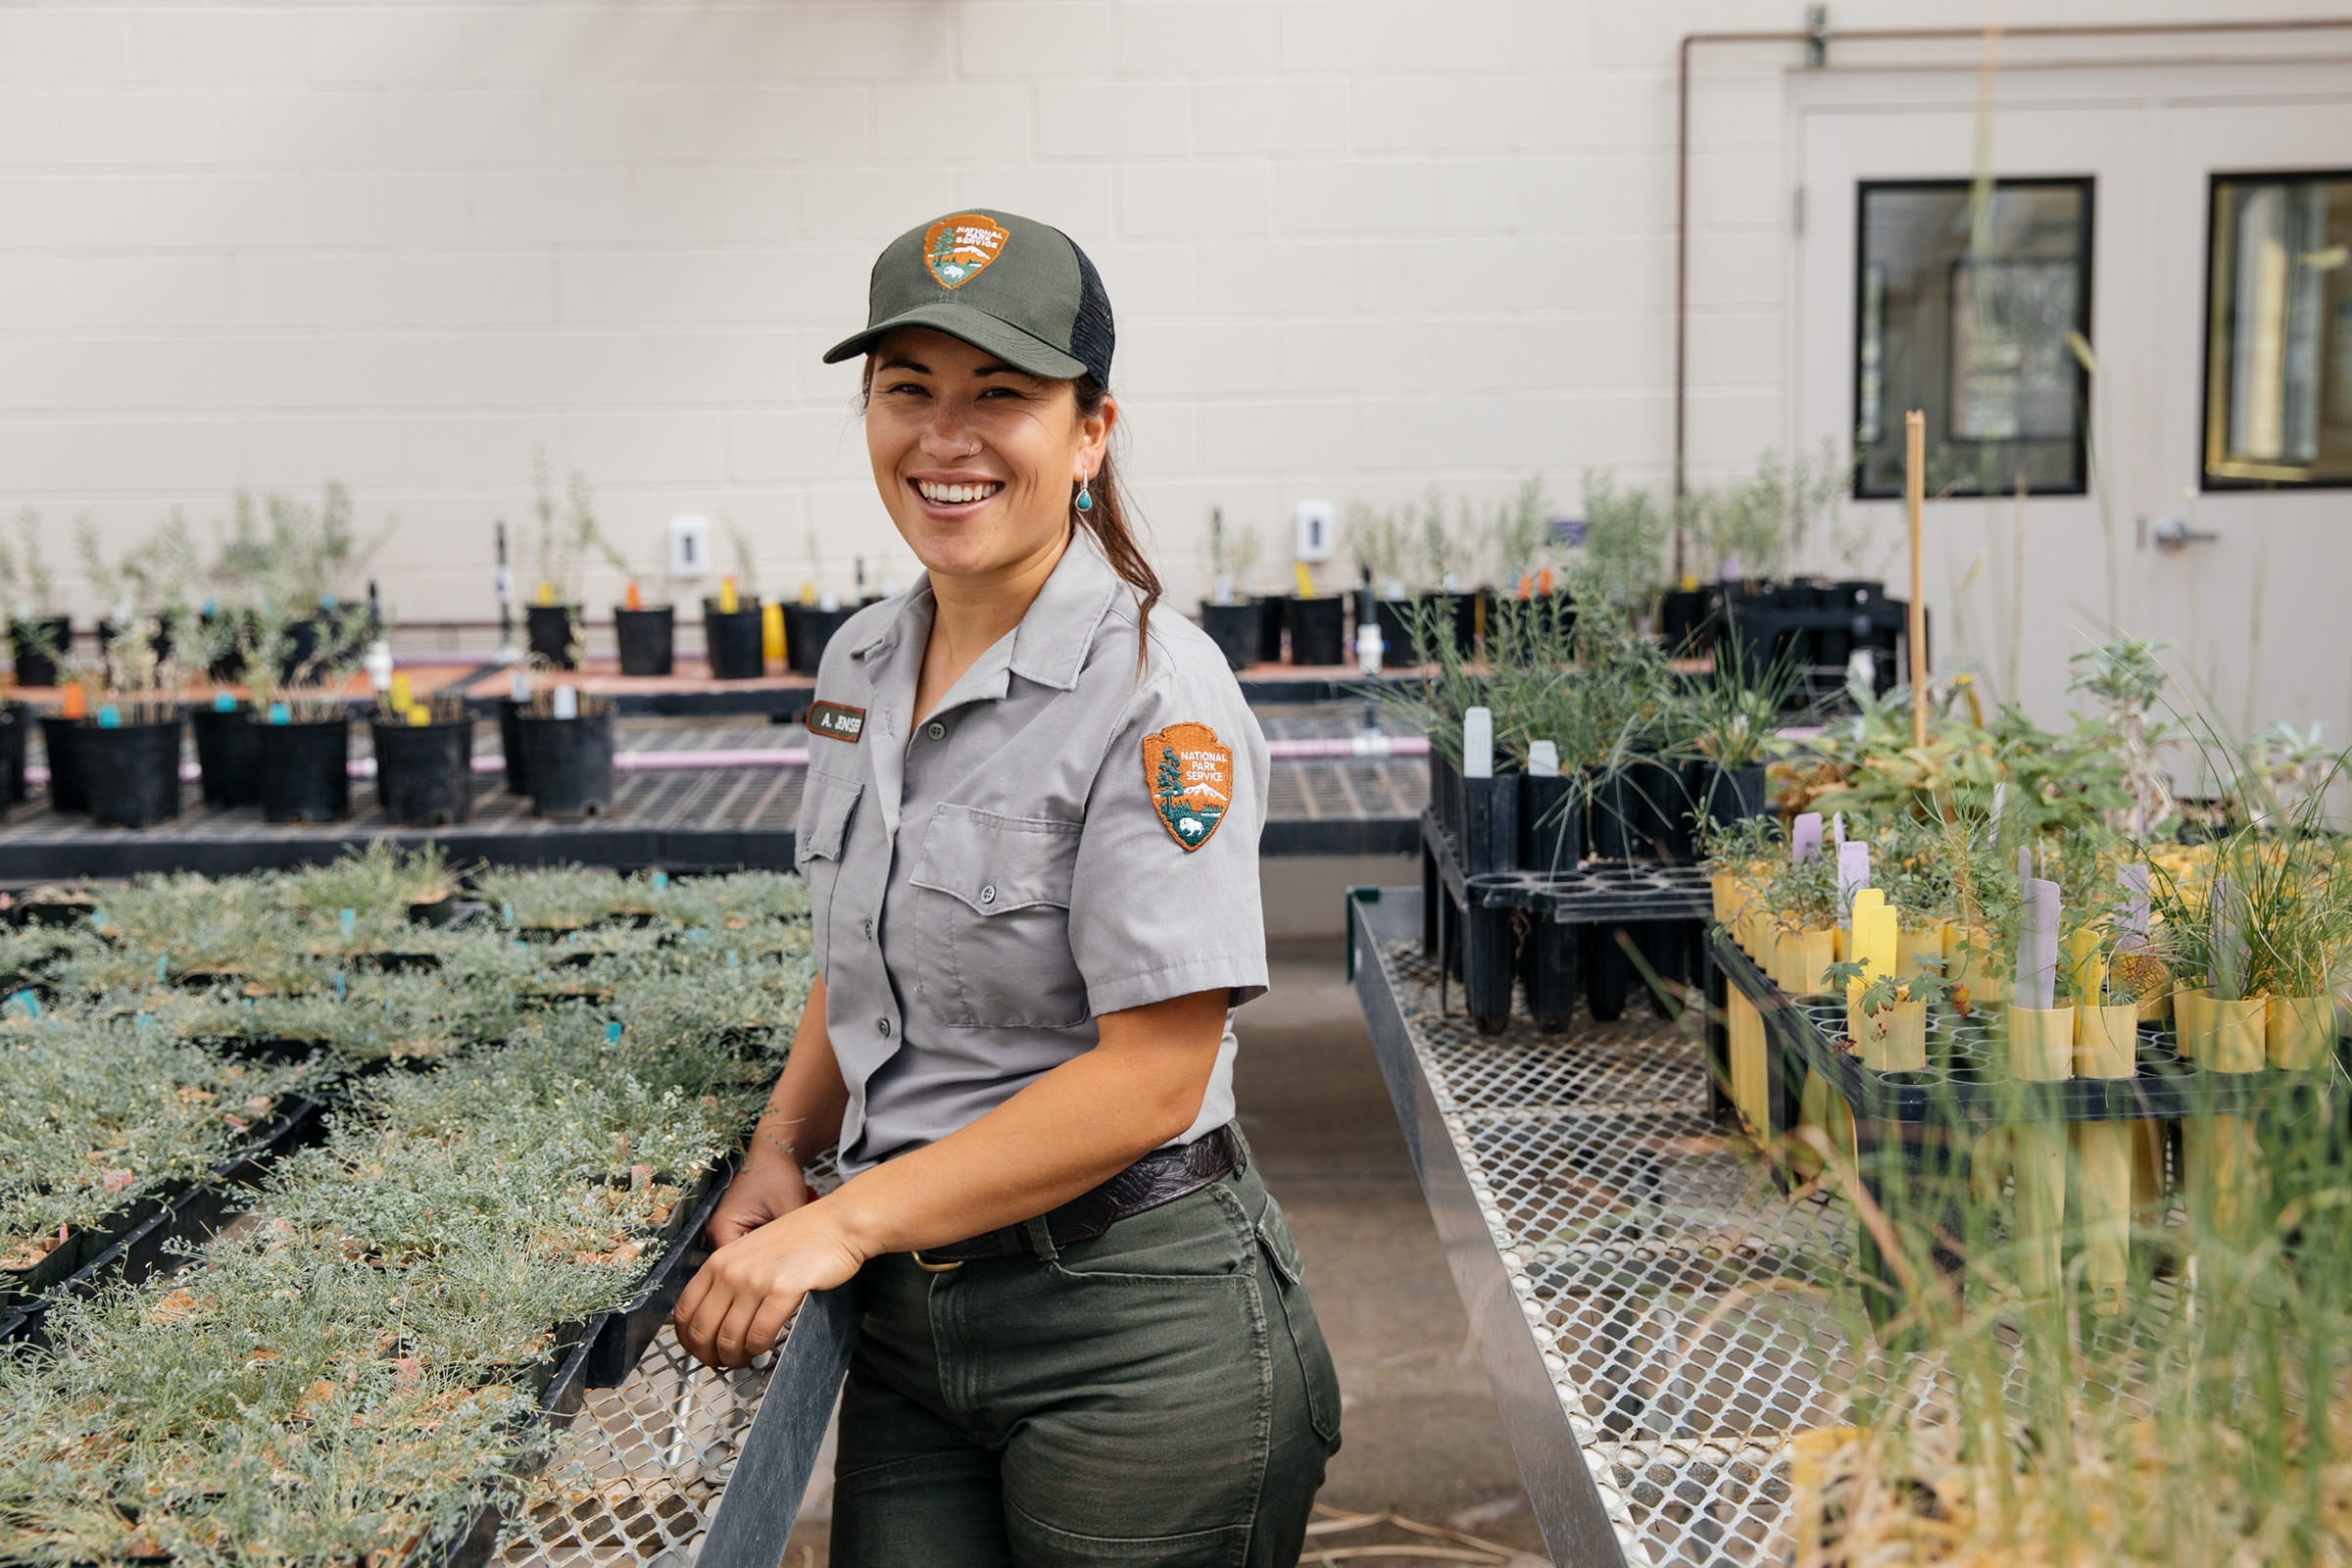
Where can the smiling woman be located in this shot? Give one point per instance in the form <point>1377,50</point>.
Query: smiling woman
<point>1030,837</point>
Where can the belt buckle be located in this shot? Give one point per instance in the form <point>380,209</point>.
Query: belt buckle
<point>930,1268</point>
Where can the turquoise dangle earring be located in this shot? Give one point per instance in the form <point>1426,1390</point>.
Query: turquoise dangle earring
<point>1086,500</point>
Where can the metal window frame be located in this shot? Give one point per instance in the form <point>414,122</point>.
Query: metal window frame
<point>2086,260</point>
<point>2217,471</point>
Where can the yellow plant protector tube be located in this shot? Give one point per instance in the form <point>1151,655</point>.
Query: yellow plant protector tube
<point>1815,950</point>
<point>2104,1153</point>
<point>1305,579</point>
<point>420,716</point>
<point>2192,1022</point>
<point>400,694</point>
<point>2080,962</point>
<point>1745,1027</point>
<point>771,631</point>
<point>546,594</point>
<point>1894,1039</point>
<point>2239,1030</point>
<point>2041,1044</point>
<point>2042,1049</point>
<point>729,603</point>
<point>2299,1032</point>
<point>1910,946</point>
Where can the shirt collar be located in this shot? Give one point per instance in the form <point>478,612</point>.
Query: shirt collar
<point>1050,643</point>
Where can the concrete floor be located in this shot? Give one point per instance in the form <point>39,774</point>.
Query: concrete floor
<point>1421,1437</point>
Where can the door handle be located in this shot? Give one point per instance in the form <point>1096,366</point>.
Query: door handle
<point>2175,533</point>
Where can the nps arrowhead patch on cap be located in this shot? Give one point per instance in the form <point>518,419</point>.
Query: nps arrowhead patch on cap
<point>1190,774</point>
<point>957,249</point>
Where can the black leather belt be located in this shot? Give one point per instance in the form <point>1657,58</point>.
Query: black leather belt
<point>1159,1177</point>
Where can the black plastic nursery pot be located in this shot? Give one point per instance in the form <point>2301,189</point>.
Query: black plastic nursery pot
<point>1318,629</point>
<point>229,756</point>
<point>510,746</point>
<point>131,772</point>
<point>15,721</point>
<point>1663,809</point>
<point>806,631</point>
<point>306,770</point>
<point>61,743</point>
<point>1731,795</point>
<point>570,762</point>
<point>1551,822</point>
<point>424,773</point>
<point>39,646</point>
<point>1269,629</point>
<point>1480,815</point>
<point>647,638</point>
<point>735,641</point>
<point>551,630</point>
<point>1234,628</point>
<point>1398,643</point>
<point>1688,620</point>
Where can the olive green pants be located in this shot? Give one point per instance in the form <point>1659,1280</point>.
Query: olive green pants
<point>1159,1394</point>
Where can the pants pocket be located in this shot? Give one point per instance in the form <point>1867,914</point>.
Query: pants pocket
<point>1299,1315</point>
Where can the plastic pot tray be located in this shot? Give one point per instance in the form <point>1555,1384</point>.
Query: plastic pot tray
<point>144,1236</point>
<point>1964,1081</point>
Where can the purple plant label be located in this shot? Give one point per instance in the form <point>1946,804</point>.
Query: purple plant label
<point>2037,946</point>
<point>2136,924</point>
<point>1854,875</point>
<point>1838,834</point>
<point>1804,840</point>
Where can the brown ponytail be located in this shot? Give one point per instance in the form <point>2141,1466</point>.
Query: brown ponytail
<point>1107,520</point>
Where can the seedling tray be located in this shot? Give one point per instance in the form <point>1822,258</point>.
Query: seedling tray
<point>150,1233</point>
<point>610,1343</point>
<point>1965,1082</point>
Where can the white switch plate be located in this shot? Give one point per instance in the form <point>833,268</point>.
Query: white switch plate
<point>690,546</point>
<point>1318,530</point>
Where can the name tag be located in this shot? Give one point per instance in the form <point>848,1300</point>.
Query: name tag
<point>836,722</point>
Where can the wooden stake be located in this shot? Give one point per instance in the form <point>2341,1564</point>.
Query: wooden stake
<point>1915,498</point>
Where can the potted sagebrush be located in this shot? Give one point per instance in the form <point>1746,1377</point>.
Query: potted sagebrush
<point>813,622</point>
<point>129,744</point>
<point>553,619</point>
<point>1231,616</point>
<point>646,634</point>
<point>302,732</point>
<point>734,637</point>
<point>566,741</point>
<point>423,758</point>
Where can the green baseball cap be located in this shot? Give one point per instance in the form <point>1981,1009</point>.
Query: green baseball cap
<point>1009,285</point>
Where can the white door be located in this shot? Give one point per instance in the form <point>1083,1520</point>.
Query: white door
<point>2148,139</point>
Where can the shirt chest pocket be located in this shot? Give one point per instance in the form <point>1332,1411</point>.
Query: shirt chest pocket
<point>994,928</point>
<point>816,854</point>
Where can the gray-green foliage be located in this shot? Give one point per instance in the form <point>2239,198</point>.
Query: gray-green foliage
<point>341,1376</point>
<point>1626,532</point>
<point>98,1115</point>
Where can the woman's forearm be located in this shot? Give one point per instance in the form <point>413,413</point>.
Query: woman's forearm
<point>1067,1132</point>
<point>805,1107</point>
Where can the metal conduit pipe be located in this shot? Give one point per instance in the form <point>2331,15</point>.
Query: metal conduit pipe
<point>1817,39</point>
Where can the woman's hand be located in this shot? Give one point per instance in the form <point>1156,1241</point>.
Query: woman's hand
<point>765,1189</point>
<point>737,1307</point>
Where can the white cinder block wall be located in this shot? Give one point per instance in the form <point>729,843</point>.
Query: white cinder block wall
<point>1357,248</point>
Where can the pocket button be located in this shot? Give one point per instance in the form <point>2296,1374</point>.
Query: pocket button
<point>988,893</point>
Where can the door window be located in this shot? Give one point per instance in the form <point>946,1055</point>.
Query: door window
<point>2278,343</point>
<point>1968,302</point>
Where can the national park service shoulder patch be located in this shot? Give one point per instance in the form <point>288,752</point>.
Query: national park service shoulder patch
<point>1190,774</point>
<point>957,249</point>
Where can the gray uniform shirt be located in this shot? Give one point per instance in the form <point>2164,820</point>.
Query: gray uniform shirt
<point>1059,839</point>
